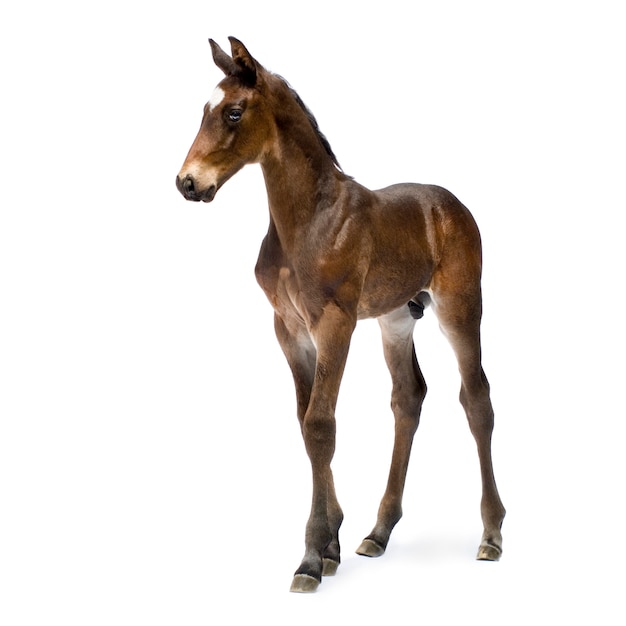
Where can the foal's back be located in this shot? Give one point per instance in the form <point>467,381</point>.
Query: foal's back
<point>416,232</point>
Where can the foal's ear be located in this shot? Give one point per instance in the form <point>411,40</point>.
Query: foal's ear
<point>222,60</point>
<point>244,61</point>
<point>242,65</point>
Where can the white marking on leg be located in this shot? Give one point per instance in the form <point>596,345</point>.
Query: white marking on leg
<point>216,98</point>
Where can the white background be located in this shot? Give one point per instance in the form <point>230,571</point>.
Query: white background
<point>151,467</point>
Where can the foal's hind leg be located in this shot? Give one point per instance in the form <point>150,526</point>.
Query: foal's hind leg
<point>459,318</point>
<point>409,389</point>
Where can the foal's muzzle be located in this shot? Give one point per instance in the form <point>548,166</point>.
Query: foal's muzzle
<point>188,188</point>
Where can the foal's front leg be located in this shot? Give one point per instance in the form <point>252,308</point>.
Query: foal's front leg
<point>332,336</point>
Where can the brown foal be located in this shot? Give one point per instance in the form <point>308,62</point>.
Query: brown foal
<point>336,252</point>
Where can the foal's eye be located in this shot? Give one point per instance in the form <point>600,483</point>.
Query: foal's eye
<point>235,115</point>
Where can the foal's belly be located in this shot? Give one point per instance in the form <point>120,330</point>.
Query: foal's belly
<point>380,297</point>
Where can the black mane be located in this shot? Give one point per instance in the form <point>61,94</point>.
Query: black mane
<point>313,123</point>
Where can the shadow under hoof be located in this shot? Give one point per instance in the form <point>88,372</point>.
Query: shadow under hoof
<point>370,548</point>
<point>329,567</point>
<point>488,553</point>
<point>303,583</point>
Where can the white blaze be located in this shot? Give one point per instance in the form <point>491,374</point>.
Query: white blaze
<point>216,98</point>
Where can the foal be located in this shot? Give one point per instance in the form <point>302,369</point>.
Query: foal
<point>336,252</point>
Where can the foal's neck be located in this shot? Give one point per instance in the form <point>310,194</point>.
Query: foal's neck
<point>300,176</point>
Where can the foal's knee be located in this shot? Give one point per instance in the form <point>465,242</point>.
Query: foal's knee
<point>319,436</point>
<point>476,401</point>
<point>406,404</point>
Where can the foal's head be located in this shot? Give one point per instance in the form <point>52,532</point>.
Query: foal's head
<point>240,124</point>
<point>235,129</point>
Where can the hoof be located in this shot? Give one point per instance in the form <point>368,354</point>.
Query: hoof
<point>303,583</point>
<point>370,548</point>
<point>329,567</point>
<point>488,552</point>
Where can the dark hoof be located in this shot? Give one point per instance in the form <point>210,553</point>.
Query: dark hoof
<point>329,567</point>
<point>488,552</point>
<point>303,583</point>
<point>370,548</point>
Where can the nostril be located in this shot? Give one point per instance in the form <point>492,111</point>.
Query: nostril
<point>188,186</point>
